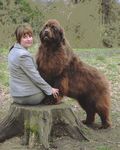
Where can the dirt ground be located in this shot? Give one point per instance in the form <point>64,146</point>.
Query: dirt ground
<point>105,139</point>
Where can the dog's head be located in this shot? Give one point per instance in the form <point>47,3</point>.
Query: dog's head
<point>52,33</point>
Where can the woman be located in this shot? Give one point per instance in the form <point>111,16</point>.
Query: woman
<point>26,84</point>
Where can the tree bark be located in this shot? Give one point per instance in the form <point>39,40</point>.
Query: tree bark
<point>105,11</point>
<point>39,125</point>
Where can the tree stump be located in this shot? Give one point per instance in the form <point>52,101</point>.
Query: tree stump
<point>42,123</point>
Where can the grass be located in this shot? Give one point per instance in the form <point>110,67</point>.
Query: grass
<point>105,60</point>
<point>3,74</point>
<point>3,52</point>
<point>103,148</point>
<point>3,68</point>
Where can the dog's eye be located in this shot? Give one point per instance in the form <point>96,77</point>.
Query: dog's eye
<point>54,28</point>
<point>46,26</point>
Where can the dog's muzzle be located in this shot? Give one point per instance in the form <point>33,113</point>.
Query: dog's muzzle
<point>46,34</point>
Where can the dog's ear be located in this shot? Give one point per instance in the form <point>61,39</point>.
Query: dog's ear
<point>40,34</point>
<point>62,36</point>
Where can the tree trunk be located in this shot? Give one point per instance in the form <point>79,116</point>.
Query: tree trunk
<point>42,123</point>
<point>105,11</point>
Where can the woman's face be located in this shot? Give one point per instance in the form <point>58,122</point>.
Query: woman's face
<point>26,41</point>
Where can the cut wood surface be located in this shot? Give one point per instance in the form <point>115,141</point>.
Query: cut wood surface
<point>39,125</point>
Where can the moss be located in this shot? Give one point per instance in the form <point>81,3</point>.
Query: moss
<point>31,127</point>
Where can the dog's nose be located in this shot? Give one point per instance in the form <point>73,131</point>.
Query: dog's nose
<point>46,31</point>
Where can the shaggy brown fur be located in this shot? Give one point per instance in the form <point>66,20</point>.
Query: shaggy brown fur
<point>62,69</point>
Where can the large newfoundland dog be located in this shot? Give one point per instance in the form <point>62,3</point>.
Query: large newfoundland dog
<point>62,69</point>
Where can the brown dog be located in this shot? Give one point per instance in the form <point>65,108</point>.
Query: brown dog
<point>62,69</point>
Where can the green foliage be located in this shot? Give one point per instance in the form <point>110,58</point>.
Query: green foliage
<point>82,22</point>
<point>111,30</point>
<point>16,12</point>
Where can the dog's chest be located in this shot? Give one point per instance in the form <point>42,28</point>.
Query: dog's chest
<point>51,65</point>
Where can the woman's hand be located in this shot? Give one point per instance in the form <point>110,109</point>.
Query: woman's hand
<point>55,92</point>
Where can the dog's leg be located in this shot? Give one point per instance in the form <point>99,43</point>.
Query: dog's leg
<point>104,115</point>
<point>103,108</point>
<point>48,100</point>
<point>62,85</point>
<point>90,118</point>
